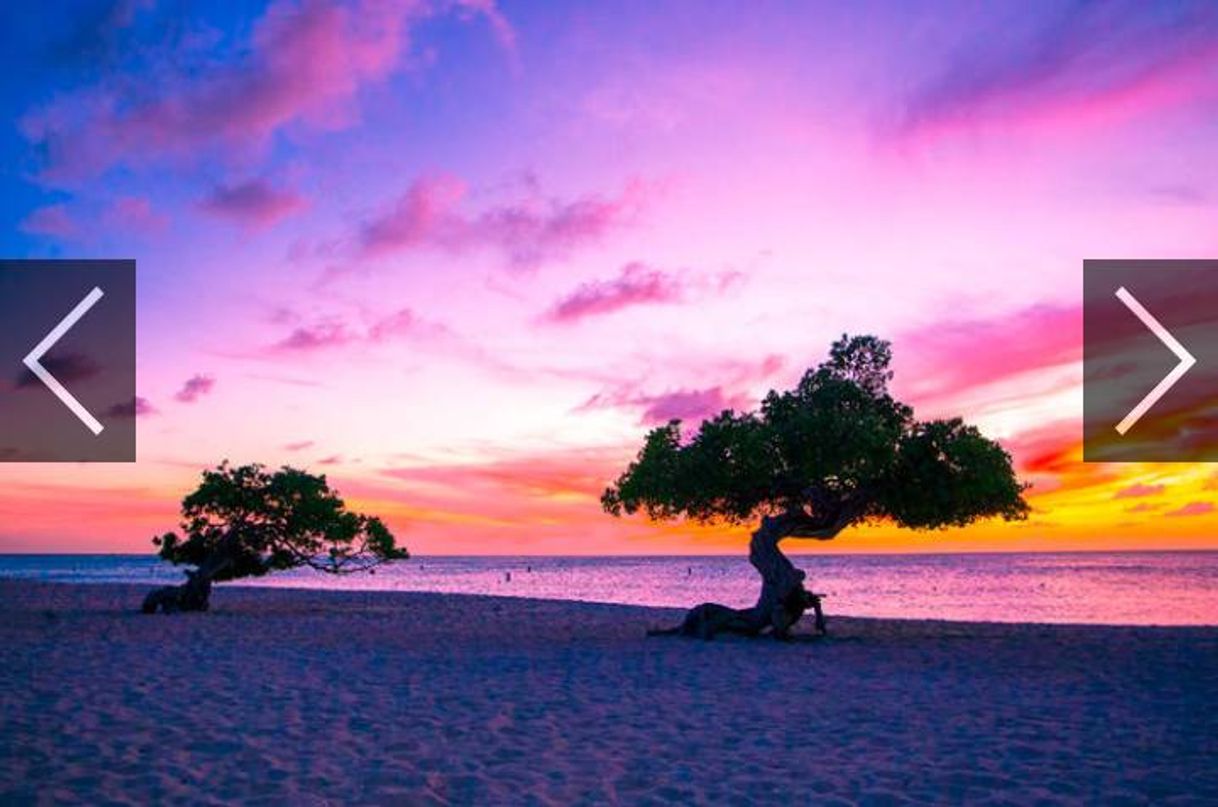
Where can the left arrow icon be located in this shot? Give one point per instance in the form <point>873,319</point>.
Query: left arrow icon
<point>33,361</point>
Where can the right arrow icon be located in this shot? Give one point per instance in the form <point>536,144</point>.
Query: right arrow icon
<point>1187,360</point>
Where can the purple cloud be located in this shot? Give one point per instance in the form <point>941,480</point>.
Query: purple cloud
<point>136,407</point>
<point>693,405</point>
<point>636,284</point>
<point>195,388</point>
<point>681,404</point>
<point>333,332</point>
<point>300,445</point>
<point>1080,63</point>
<point>194,93</point>
<point>66,368</point>
<point>53,221</point>
<point>529,232</point>
<point>317,336</point>
<point>735,391</point>
<point>135,214</point>
<point>255,204</point>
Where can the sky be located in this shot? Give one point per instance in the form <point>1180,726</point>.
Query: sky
<point>460,255</point>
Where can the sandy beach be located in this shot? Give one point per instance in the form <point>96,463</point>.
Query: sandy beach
<point>313,697</point>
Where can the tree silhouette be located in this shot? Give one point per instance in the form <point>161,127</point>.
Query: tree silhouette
<point>835,451</point>
<point>245,521</point>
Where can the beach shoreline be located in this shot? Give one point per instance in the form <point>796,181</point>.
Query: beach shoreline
<point>320,697</point>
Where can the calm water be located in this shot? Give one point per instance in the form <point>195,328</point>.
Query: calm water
<point>1164,588</point>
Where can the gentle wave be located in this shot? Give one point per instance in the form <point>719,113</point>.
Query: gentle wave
<point>1134,588</point>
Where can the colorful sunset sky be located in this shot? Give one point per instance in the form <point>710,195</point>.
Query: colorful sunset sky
<point>460,256</point>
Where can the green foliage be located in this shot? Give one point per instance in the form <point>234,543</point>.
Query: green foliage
<point>835,450</point>
<point>247,521</point>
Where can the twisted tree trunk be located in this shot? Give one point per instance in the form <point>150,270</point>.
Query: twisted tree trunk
<point>783,599</point>
<point>195,593</point>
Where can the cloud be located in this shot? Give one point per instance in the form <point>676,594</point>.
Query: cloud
<point>636,284</point>
<point>67,368</point>
<point>420,217</point>
<point>334,332</point>
<point>134,214</point>
<point>693,405</point>
<point>948,357</point>
<point>196,92</point>
<point>504,33</point>
<point>300,445</point>
<point>52,220</point>
<point>195,388</point>
<point>255,204</point>
<point>1086,64</point>
<point>399,323</point>
<point>1192,509</point>
<point>734,391</point>
<point>568,476</point>
<point>680,404</point>
<point>529,232</point>
<point>1138,490</point>
<point>136,407</point>
<point>317,336</point>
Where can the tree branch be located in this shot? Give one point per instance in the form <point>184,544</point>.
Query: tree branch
<point>797,523</point>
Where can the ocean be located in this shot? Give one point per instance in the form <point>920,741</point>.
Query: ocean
<point>1133,588</point>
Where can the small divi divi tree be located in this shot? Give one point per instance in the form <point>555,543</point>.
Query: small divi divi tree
<point>835,451</point>
<point>246,521</point>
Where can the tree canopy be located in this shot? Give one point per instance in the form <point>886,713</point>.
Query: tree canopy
<point>835,450</point>
<point>244,521</point>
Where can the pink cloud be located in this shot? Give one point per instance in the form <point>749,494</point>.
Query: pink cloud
<point>948,357</point>
<point>135,214</point>
<point>1096,64</point>
<point>195,388</point>
<point>564,476</point>
<point>52,220</point>
<point>255,204</point>
<point>300,445</point>
<point>334,332</point>
<point>1138,490</point>
<point>303,62</point>
<point>636,284</point>
<point>418,218</point>
<point>529,231</point>
<point>1192,509</point>
<point>399,323</point>
<point>317,336</point>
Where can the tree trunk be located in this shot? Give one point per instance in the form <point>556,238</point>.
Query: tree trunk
<point>195,593</point>
<point>783,598</point>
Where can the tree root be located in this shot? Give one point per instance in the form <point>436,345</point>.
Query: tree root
<point>193,595</point>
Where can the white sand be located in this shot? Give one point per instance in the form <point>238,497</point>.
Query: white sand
<point>340,698</point>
